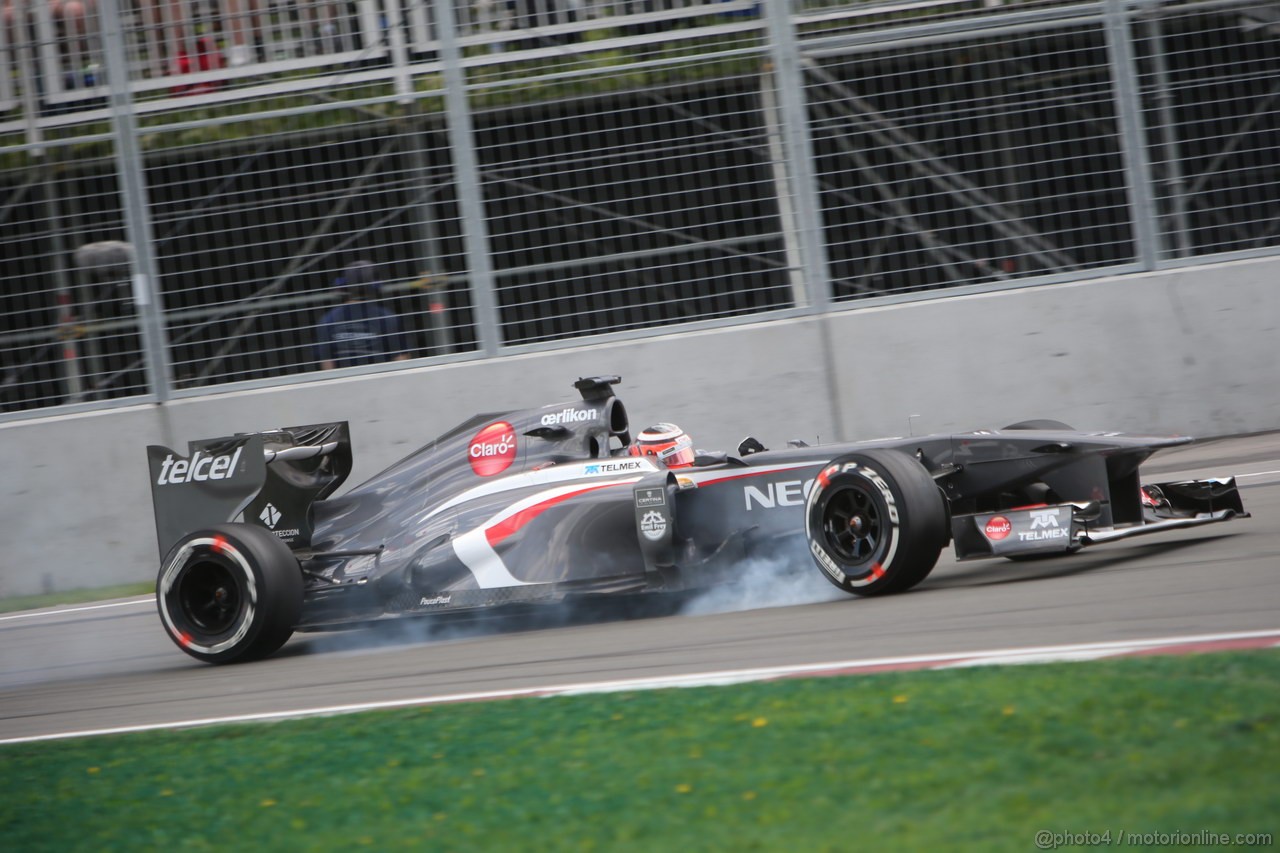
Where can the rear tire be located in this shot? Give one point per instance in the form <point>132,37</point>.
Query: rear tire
<point>876,522</point>
<point>229,593</point>
<point>1041,423</point>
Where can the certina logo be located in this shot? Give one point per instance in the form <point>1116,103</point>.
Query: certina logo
<point>1044,525</point>
<point>569,416</point>
<point>200,467</point>
<point>651,497</point>
<point>785,493</point>
<point>653,524</point>
<point>493,449</point>
<point>998,528</point>
<point>614,467</point>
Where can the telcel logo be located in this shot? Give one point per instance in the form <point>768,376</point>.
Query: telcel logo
<point>199,467</point>
<point>569,416</point>
<point>493,449</point>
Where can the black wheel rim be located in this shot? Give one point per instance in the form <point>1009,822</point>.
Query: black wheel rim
<point>853,524</point>
<point>210,597</point>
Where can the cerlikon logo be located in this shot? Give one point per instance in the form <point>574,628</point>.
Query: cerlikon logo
<point>200,467</point>
<point>569,416</point>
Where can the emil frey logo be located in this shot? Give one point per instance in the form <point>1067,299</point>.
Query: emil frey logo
<point>200,467</point>
<point>493,449</point>
<point>653,525</point>
<point>270,516</point>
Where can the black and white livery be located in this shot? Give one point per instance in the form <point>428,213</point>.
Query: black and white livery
<point>542,504</point>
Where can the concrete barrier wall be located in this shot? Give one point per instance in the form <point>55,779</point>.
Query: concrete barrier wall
<point>1193,351</point>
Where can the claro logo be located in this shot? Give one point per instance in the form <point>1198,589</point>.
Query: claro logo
<point>493,449</point>
<point>200,467</point>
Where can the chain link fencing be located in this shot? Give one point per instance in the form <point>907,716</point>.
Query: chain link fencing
<point>205,194</point>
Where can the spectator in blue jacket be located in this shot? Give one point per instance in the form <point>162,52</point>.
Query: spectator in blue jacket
<point>359,331</point>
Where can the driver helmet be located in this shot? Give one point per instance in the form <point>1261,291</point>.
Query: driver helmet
<point>670,444</point>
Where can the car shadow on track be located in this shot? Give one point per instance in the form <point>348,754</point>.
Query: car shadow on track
<point>511,619</point>
<point>994,573</point>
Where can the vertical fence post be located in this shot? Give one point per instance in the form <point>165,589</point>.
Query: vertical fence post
<point>784,55</point>
<point>469,182</point>
<point>1171,176</point>
<point>1133,134</point>
<point>133,198</point>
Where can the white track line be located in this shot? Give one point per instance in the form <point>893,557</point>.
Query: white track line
<point>991,657</point>
<point>34,613</point>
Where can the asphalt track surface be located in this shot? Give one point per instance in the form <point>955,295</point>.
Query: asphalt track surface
<point>89,668</point>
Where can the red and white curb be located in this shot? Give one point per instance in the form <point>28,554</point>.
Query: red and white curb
<point>999,657</point>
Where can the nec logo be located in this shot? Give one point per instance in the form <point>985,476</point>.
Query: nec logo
<point>785,493</point>
<point>200,467</point>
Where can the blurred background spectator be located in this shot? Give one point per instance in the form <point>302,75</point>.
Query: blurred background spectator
<point>359,331</point>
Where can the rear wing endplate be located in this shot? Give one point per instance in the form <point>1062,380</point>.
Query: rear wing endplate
<point>272,478</point>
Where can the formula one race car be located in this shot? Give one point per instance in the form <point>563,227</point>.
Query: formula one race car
<point>541,504</point>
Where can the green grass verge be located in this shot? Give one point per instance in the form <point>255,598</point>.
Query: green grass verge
<point>75,596</point>
<point>979,759</point>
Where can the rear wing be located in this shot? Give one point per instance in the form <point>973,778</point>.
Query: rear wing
<point>272,478</point>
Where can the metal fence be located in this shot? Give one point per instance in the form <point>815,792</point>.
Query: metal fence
<point>198,193</point>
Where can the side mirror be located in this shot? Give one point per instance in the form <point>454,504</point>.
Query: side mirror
<point>750,445</point>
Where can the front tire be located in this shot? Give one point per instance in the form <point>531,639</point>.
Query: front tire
<point>875,522</point>
<point>229,593</point>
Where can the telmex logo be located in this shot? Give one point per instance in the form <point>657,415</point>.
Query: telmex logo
<point>199,467</point>
<point>1044,525</point>
<point>613,467</point>
<point>569,416</point>
<point>493,449</point>
<point>1044,518</point>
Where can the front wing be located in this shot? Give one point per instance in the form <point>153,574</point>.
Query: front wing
<point>1066,528</point>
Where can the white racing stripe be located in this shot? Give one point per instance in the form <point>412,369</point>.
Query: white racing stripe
<point>473,547</point>
<point>1080,651</point>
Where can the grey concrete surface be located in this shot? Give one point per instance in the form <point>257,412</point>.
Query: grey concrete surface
<point>1190,351</point>
<point>114,666</point>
